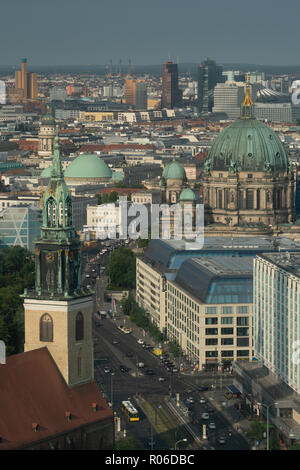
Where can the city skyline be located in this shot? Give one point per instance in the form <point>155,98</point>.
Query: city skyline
<point>114,30</point>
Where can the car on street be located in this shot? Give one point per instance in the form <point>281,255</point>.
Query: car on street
<point>222,440</point>
<point>205,416</point>
<point>140,364</point>
<point>162,379</point>
<point>149,372</point>
<point>203,388</point>
<point>174,369</point>
<point>140,341</point>
<point>115,341</point>
<point>212,426</point>
<point>129,354</point>
<point>190,400</point>
<point>123,368</point>
<point>202,401</point>
<point>107,370</point>
<point>97,323</point>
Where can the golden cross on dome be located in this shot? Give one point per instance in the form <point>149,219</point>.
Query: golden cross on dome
<point>247,101</point>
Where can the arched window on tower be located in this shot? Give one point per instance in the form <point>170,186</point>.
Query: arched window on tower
<point>61,215</point>
<point>46,328</point>
<point>68,211</point>
<point>51,212</point>
<point>79,327</point>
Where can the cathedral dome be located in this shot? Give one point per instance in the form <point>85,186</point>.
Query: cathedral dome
<point>174,171</point>
<point>247,145</point>
<point>88,165</point>
<point>187,195</point>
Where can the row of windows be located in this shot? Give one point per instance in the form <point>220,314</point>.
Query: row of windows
<point>46,327</point>
<point>241,309</point>
<point>227,331</point>
<point>240,321</point>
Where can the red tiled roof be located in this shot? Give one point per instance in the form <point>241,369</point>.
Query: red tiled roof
<point>32,390</point>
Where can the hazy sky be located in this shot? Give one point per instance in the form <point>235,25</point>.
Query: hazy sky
<point>84,32</point>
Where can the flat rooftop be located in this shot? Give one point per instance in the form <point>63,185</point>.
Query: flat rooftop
<point>289,262</point>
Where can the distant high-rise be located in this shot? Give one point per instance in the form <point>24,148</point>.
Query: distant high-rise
<point>27,82</point>
<point>209,74</point>
<point>171,94</point>
<point>136,93</point>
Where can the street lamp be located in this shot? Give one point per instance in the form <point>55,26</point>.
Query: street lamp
<point>181,440</point>
<point>268,407</point>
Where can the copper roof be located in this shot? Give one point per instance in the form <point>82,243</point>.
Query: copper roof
<point>32,390</point>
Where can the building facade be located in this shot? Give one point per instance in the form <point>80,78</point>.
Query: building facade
<point>276,314</point>
<point>171,94</point>
<point>209,74</point>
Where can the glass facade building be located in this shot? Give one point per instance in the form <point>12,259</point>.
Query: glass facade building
<point>20,225</point>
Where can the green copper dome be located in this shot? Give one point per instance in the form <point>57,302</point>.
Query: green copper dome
<point>88,165</point>
<point>187,195</point>
<point>174,171</point>
<point>247,145</point>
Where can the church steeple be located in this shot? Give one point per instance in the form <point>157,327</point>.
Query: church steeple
<point>247,106</point>
<point>58,257</point>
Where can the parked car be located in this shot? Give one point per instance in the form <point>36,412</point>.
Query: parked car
<point>129,354</point>
<point>97,323</point>
<point>205,416</point>
<point>140,364</point>
<point>161,379</point>
<point>212,426</point>
<point>140,341</point>
<point>202,401</point>
<point>222,440</point>
<point>107,370</point>
<point>149,372</point>
<point>174,369</point>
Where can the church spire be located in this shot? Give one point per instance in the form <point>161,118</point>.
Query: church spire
<point>247,106</point>
<point>57,167</point>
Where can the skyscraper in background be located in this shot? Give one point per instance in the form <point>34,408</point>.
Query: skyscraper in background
<point>27,82</point>
<point>136,93</point>
<point>209,74</point>
<point>171,94</point>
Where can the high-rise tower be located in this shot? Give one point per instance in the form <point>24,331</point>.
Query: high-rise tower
<point>58,311</point>
<point>171,94</point>
<point>209,74</point>
<point>27,82</point>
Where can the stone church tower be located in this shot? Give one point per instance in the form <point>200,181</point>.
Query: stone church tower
<point>58,311</point>
<point>46,136</point>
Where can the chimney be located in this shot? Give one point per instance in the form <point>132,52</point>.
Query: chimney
<point>95,406</point>
<point>35,427</point>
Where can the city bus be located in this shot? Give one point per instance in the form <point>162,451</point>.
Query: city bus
<point>130,411</point>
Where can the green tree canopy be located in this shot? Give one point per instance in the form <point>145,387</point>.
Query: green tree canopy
<point>129,443</point>
<point>121,268</point>
<point>16,273</point>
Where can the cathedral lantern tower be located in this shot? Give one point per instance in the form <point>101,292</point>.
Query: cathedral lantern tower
<point>46,136</point>
<point>58,311</point>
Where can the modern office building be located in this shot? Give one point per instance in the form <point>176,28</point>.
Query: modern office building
<point>276,314</point>
<point>209,74</point>
<point>20,225</point>
<point>228,98</point>
<point>136,93</point>
<point>277,112</point>
<point>171,94</point>
<point>160,265</point>
<point>209,310</point>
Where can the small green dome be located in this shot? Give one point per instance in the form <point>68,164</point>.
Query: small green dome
<point>247,145</point>
<point>88,165</point>
<point>174,171</point>
<point>48,120</point>
<point>187,195</point>
<point>46,173</point>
